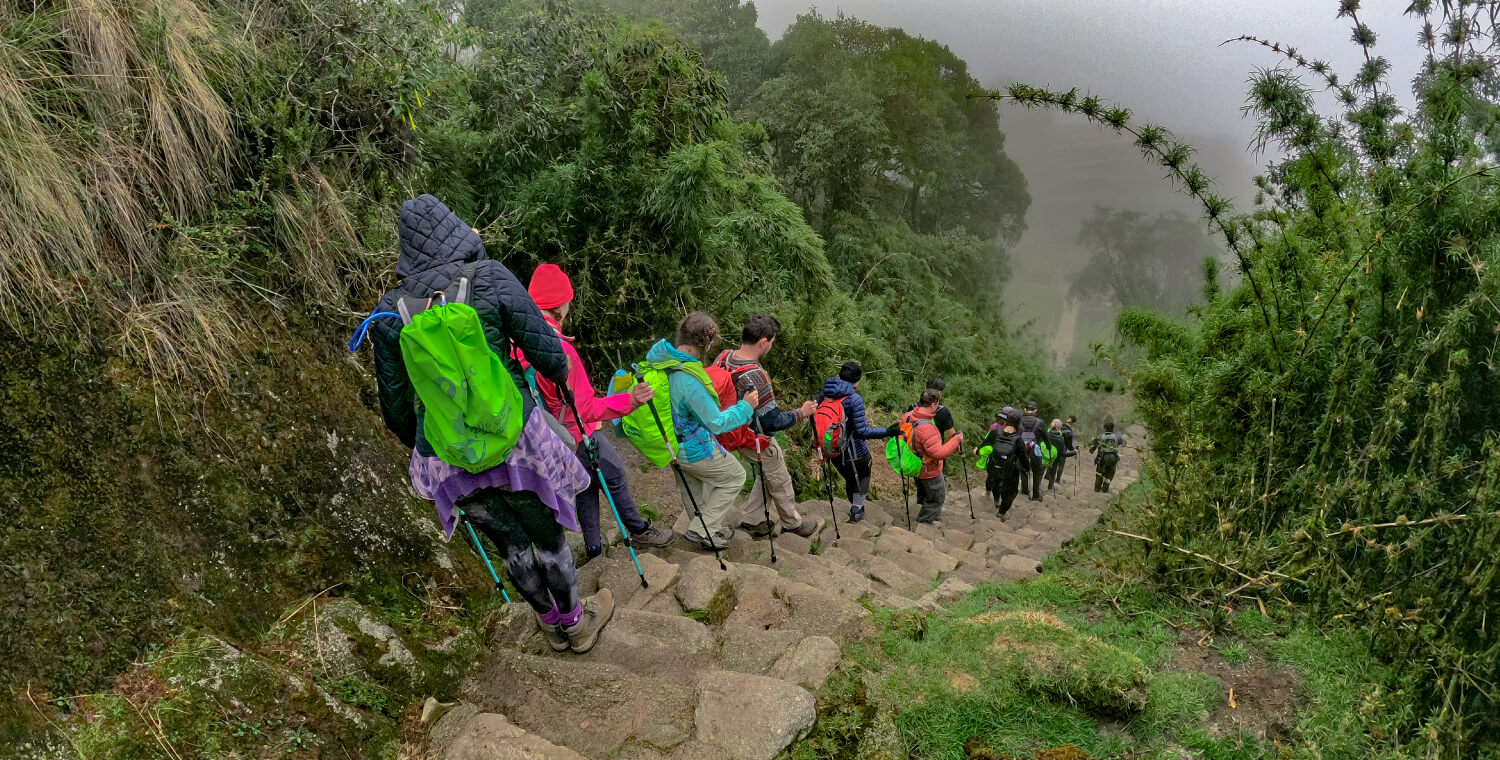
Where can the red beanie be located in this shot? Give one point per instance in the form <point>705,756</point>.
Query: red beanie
<point>550,288</point>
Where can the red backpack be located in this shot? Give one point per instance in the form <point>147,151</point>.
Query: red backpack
<point>828,424</point>
<point>740,438</point>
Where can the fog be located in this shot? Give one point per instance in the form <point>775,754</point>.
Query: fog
<point>1161,58</point>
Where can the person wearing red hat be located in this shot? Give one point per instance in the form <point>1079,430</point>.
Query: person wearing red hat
<point>553,293</point>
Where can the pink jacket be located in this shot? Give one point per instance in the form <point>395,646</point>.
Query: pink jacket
<point>591,407</point>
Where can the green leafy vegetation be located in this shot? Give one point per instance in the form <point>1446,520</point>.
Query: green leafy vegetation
<point>1324,436</point>
<point>1077,664</point>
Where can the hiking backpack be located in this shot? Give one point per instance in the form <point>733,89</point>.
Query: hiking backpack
<point>1003,450</point>
<point>641,427</point>
<point>899,452</point>
<point>1046,451</point>
<point>1108,443</point>
<point>741,438</point>
<point>829,425</point>
<point>470,405</point>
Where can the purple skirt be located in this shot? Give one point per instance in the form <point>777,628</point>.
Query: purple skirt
<point>540,463</point>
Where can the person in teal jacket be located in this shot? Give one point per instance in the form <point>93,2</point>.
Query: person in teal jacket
<point>713,476</point>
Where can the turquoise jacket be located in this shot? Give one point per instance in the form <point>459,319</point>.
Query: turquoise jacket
<point>695,409</point>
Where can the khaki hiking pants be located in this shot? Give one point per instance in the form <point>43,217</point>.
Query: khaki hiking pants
<point>778,487</point>
<point>714,485</point>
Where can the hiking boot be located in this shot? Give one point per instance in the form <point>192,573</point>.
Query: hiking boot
<point>809,528</point>
<point>654,538</point>
<point>597,611</point>
<point>761,529</point>
<point>554,636</point>
<point>722,539</point>
<point>855,515</point>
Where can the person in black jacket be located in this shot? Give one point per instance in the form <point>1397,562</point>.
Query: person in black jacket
<point>853,463</point>
<point>525,503</point>
<point>1003,470</point>
<point>1059,444</point>
<point>1032,429</point>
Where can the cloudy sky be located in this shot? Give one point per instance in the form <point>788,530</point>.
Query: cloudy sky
<point>1162,58</point>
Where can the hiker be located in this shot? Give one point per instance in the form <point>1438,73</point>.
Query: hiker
<point>1107,445</point>
<point>1058,443</point>
<point>1032,430</point>
<point>552,291</point>
<point>1003,469</point>
<point>944,417</point>
<point>524,502</point>
<point>1070,448</point>
<point>927,443</point>
<point>713,476</point>
<point>743,366</point>
<point>853,458</point>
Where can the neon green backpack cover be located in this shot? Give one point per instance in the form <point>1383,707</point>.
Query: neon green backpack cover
<point>984,457</point>
<point>898,451</point>
<point>471,406</point>
<point>1049,452</point>
<point>639,427</point>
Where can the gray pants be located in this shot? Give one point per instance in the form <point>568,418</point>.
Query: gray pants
<point>931,493</point>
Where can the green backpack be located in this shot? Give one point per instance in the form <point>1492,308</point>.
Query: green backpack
<point>470,405</point>
<point>899,453</point>
<point>984,457</point>
<point>640,426</point>
<point>1047,450</point>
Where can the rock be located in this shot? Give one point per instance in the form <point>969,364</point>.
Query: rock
<point>1014,567</point>
<point>825,575</point>
<point>791,543</point>
<point>488,736</point>
<point>671,647</point>
<point>808,663</point>
<point>894,578</point>
<point>958,539</point>
<point>1005,543</point>
<point>548,695</point>
<point>329,636</point>
<point>621,579</point>
<point>857,547</point>
<point>515,627</point>
<point>838,556</point>
<point>753,650</point>
<point>751,717</point>
<point>448,726</point>
<point>947,591</point>
<point>928,532</point>
<point>700,580</point>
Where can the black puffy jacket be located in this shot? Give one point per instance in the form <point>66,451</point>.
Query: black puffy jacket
<point>435,245</point>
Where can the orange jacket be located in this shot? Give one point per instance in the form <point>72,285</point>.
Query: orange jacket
<point>928,444</point>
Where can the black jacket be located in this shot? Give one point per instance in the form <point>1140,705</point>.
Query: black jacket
<point>1068,447</point>
<point>435,245</point>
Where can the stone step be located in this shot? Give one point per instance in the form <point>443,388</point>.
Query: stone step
<point>602,710</point>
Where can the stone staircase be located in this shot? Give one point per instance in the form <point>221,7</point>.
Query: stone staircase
<point>709,663</point>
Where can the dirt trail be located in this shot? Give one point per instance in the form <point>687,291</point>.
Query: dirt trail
<point>709,663</point>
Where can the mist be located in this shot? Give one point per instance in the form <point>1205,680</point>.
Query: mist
<point>1165,60</point>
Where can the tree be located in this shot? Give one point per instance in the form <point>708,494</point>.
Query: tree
<point>1142,261</point>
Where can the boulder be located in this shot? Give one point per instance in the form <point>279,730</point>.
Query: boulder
<point>808,663</point>
<point>1013,567</point>
<point>751,717</point>
<point>489,736</point>
<point>671,647</point>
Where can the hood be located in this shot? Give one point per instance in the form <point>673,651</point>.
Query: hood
<point>919,413</point>
<point>432,236</point>
<point>837,387</point>
<point>664,351</point>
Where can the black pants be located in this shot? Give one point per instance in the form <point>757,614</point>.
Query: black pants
<point>931,493</point>
<point>1054,473</point>
<point>856,472</point>
<point>1033,473</point>
<point>1003,483</point>
<point>587,502</point>
<point>536,553</point>
<point>1104,470</point>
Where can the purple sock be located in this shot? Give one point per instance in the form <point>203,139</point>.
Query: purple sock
<point>550,618</point>
<point>570,618</point>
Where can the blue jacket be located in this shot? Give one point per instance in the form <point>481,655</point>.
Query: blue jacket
<point>695,410</point>
<point>854,411</point>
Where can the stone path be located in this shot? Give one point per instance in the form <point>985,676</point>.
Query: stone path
<point>709,663</point>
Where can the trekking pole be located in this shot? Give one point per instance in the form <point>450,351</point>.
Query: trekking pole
<point>828,480</point>
<point>963,465</point>
<point>765,499</point>
<point>672,450</point>
<point>598,476</point>
<point>482,555</point>
<point>906,500</point>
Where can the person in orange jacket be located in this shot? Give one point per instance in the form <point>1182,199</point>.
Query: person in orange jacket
<point>927,442</point>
